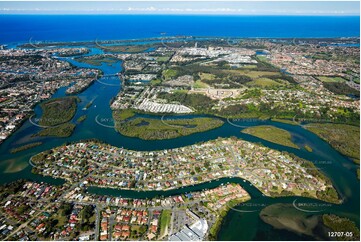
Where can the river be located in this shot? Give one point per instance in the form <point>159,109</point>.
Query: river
<point>237,225</point>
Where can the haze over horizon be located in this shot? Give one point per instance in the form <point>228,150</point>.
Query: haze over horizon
<point>319,8</point>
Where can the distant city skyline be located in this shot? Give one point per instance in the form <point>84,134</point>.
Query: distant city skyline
<point>339,8</point>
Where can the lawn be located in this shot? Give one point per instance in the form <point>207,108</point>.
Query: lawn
<point>249,67</point>
<point>162,58</point>
<point>264,82</point>
<point>206,76</point>
<point>164,222</point>
<point>200,84</point>
<point>155,82</point>
<point>62,219</point>
<point>253,74</point>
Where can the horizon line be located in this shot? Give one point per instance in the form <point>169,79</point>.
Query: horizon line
<point>192,14</point>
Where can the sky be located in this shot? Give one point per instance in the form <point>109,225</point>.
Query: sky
<point>339,8</point>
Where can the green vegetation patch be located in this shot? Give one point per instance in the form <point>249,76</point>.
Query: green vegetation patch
<point>164,222</point>
<point>129,48</point>
<point>200,84</point>
<point>155,129</point>
<point>341,88</point>
<point>163,58</point>
<point>308,148</point>
<point>59,110</point>
<point>11,188</point>
<point>81,119</point>
<point>169,74</point>
<point>254,74</point>
<point>87,216</point>
<point>342,137</point>
<point>62,130</point>
<point>155,82</point>
<point>285,121</point>
<point>271,134</point>
<point>331,79</point>
<point>264,82</point>
<point>206,76</point>
<point>25,147</point>
<point>97,60</point>
<point>121,115</point>
<point>199,102</point>
<point>343,225</point>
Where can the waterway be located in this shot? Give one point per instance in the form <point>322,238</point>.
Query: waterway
<point>237,225</point>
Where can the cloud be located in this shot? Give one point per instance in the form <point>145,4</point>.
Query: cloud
<point>231,8</point>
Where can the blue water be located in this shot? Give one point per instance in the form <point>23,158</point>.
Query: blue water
<point>20,28</point>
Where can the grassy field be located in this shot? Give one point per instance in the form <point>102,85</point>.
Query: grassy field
<point>249,67</point>
<point>206,76</point>
<point>60,216</point>
<point>200,84</point>
<point>155,129</point>
<point>169,73</point>
<point>253,74</point>
<point>342,137</point>
<point>155,82</point>
<point>271,134</point>
<point>264,82</point>
<point>162,58</point>
<point>57,111</point>
<point>262,58</point>
<point>164,222</point>
<point>331,79</point>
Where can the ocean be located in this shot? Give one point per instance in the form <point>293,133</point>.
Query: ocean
<point>21,28</point>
